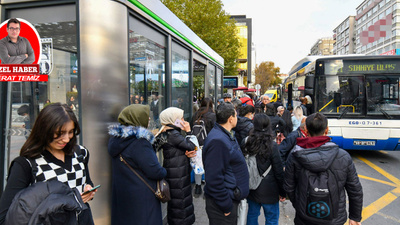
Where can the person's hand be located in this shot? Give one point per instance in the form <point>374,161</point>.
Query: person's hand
<point>282,199</point>
<point>352,222</point>
<point>89,196</point>
<point>185,126</point>
<point>190,154</point>
<point>227,214</point>
<point>26,55</point>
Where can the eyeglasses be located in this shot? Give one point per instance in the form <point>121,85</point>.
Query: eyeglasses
<point>14,29</point>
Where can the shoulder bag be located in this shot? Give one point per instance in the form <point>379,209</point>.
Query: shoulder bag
<point>162,192</point>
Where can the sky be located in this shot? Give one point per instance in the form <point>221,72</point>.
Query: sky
<point>285,30</point>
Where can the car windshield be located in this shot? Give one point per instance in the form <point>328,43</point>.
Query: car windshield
<point>270,95</point>
<point>358,96</point>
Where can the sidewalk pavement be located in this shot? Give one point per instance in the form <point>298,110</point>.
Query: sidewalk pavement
<point>285,218</point>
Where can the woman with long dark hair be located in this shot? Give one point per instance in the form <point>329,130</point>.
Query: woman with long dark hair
<point>51,153</point>
<point>270,191</point>
<point>205,113</point>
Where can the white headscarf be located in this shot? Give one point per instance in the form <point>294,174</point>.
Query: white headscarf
<point>168,116</point>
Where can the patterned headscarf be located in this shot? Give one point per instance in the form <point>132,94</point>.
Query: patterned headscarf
<point>168,116</point>
<point>135,115</point>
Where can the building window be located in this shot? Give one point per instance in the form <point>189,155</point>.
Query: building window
<point>375,9</point>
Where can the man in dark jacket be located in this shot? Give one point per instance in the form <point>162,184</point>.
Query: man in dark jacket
<point>317,154</point>
<point>227,177</point>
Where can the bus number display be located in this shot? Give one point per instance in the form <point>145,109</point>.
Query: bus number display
<point>365,123</point>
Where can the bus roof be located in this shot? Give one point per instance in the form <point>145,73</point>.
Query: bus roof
<point>302,63</point>
<point>312,58</point>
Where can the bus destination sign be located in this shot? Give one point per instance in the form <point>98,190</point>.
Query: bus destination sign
<point>338,67</point>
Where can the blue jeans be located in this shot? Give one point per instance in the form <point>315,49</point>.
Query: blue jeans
<point>271,212</point>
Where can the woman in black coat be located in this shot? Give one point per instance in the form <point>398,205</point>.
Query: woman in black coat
<point>132,201</point>
<point>270,191</point>
<point>177,150</point>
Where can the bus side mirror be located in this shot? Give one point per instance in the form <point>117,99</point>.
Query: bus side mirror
<point>309,82</point>
<point>337,98</point>
<point>309,85</point>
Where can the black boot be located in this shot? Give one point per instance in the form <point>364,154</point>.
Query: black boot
<point>198,190</point>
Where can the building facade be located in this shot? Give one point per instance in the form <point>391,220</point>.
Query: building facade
<point>378,27</point>
<point>244,28</point>
<point>344,36</point>
<point>324,46</point>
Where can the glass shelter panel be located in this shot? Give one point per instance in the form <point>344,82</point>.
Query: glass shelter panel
<point>180,79</point>
<point>211,82</point>
<point>219,83</point>
<point>198,80</point>
<point>147,69</point>
<point>57,29</point>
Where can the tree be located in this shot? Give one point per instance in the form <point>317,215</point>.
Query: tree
<point>267,75</point>
<point>210,22</point>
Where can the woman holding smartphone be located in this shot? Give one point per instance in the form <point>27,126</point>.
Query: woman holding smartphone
<point>177,150</point>
<point>51,153</point>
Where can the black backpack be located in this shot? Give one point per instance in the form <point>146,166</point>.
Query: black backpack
<point>321,191</point>
<point>199,130</point>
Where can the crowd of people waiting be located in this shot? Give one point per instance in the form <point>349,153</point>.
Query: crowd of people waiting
<point>290,144</point>
<point>237,128</point>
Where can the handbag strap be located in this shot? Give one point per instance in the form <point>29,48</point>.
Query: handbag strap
<point>267,171</point>
<point>123,160</point>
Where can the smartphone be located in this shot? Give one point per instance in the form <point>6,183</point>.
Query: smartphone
<point>88,191</point>
<point>178,123</point>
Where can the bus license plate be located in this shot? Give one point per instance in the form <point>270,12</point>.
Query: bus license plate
<point>367,143</point>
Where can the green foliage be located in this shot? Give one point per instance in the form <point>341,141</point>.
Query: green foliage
<point>210,22</point>
<point>267,75</point>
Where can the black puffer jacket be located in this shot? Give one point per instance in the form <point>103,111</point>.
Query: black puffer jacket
<point>49,202</point>
<point>242,129</point>
<point>318,159</point>
<point>174,145</point>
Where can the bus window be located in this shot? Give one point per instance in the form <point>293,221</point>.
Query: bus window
<point>383,94</point>
<point>340,93</point>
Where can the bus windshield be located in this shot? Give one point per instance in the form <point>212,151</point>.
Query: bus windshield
<point>372,95</point>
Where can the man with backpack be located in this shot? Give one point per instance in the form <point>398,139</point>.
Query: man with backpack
<point>317,176</point>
